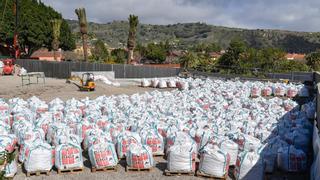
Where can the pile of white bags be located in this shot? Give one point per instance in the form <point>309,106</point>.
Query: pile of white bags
<point>181,123</point>
<point>139,156</point>
<point>214,162</point>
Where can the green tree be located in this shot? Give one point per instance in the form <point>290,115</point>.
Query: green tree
<point>82,17</point>
<point>119,56</point>
<point>156,52</point>
<point>232,57</point>
<point>189,60</point>
<point>313,60</point>
<point>34,20</point>
<point>100,52</point>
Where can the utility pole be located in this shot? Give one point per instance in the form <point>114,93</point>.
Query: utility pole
<point>15,38</point>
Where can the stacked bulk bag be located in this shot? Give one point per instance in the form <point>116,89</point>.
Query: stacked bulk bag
<point>124,140</point>
<point>289,105</point>
<point>204,137</point>
<point>266,91</point>
<point>247,142</point>
<point>82,128</point>
<point>145,83</point>
<point>231,148</point>
<point>162,84</point>
<point>249,166</point>
<point>68,156</point>
<point>255,91</point>
<point>309,109</point>
<point>139,156</point>
<point>103,155</point>
<point>180,158</point>
<point>214,162</point>
<point>155,82</point>
<point>171,83</point>
<point>153,139</point>
<point>292,92</point>
<point>304,92</point>
<point>270,153</point>
<point>38,158</point>
<point>300,138</point>
<point>279,91</point>
<point>291,159</point>
<point>182,85</point>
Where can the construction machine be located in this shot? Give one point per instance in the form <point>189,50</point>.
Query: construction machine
<point>8,66</point>
<point>86,82</point>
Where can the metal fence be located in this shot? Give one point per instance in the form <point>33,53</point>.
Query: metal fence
<point>64,69</point>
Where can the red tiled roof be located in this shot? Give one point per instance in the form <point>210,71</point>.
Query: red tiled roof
<point>295,56</point>
<point>44,53</point>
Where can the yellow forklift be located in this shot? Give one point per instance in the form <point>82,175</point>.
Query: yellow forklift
<point>86,82</point>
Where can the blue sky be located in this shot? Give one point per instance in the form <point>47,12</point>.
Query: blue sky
<point>298,15</point>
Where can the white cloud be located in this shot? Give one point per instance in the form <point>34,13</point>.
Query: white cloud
<point>301,15</point>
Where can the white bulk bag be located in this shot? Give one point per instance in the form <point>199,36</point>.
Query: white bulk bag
<point>266,91</point>
<point>255,91</point>
<point>214,162</point>
<point>249,166</point>
<point>162,84</point>
<point>292,92</point>
<point>139,156</point>
<point>68,156</point>
<point>145,83</point>
<point>279,91</point>
<point>124,140</point>
<point>155,82</point>
<point>153,139</point>
<point>231,148</point>
<point>291,159</point>
<point>171,83</point>
<point>180,158</point>
<point>103,155</point>
<point>304,92</point>
<point>39,158</point>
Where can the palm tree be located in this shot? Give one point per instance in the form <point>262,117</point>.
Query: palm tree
<point>81,13</point>
<point>133,22</point>
<point>56,24</point>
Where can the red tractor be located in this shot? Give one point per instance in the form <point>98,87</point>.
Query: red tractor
<point>8,66</point>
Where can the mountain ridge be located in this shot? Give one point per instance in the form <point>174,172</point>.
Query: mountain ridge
<point>184,35</point>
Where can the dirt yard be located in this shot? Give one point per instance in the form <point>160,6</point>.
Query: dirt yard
<point>11,86</point>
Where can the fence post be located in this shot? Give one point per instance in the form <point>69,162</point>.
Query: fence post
<point>124,71</point>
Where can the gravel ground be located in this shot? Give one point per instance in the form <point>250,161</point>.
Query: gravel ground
<point>11,86</point>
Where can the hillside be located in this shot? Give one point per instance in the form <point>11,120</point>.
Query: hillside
<point>184,35</point>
